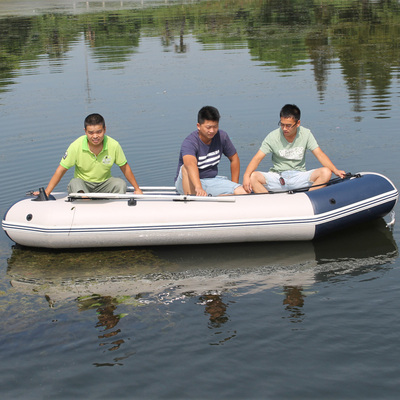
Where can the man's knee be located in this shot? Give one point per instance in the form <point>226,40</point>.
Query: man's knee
<point>327,173</point>
<point>77,185</point>
<point>257,177</point>
<point>323,174</point>
<point>117,185</point>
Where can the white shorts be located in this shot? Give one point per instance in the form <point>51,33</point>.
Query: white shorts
<point>291,180</point>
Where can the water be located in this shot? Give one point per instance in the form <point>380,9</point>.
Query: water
<point>272,320</point>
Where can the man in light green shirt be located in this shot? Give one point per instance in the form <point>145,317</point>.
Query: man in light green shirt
<point>93,155</point>
<point>288,146</point>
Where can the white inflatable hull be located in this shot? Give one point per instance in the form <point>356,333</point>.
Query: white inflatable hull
<point>62,223</point>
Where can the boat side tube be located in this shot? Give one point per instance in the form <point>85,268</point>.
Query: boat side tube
<point>362,198</point>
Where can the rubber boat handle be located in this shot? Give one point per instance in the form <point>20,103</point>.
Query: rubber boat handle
<point>42,196</point>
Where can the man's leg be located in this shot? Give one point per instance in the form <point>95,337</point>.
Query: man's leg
<point>77,185</point>
<point>319,177</point>
<point>112,185</point>
<point>187,185</point>
<point>257,181</point>
<point>239,190</point>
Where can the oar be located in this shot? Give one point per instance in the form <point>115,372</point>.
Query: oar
<point>113,196</point>
<point>158,188</point>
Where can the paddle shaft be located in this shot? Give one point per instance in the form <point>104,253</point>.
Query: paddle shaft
<point>115,196</point>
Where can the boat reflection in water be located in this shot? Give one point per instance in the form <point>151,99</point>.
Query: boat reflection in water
<point>109,280</point>
<point>172,272</point>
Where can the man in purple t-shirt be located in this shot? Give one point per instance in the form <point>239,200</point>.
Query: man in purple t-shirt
<point>200,155</point>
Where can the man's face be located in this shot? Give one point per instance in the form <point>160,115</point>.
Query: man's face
<point>289,127</point>
<point>95,134</point>
<point>207,130</point>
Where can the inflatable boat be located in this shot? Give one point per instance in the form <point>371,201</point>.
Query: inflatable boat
<point>162,217</point>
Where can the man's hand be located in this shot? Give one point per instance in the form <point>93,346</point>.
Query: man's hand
<point>246,184</point>
<point>200,191</point>
<point>339,173</point>
<point>36,193</point>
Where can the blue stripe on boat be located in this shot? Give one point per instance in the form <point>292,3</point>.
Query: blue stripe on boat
<point>347,192</point>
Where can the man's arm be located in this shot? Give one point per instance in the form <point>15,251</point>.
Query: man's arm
<point>326,162</point>
<point>127,171</point>
<point>253,165</point>
<point>55,179</point>
<point>235,167</point>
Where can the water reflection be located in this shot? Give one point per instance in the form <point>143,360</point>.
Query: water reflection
<point>33,7</point>
<point>105,307</point>
<point>124,282</point>
<point>360,37</point>
<point>165,274</point>
<point>216,308</point>
<point>294,301</point>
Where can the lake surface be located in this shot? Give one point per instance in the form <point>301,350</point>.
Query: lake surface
<point>251,321</point>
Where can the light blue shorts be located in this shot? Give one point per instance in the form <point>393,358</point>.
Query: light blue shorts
<point>293,180</point>
<point>213,186</point>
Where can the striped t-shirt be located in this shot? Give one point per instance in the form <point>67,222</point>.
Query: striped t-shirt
<point>208,156</point>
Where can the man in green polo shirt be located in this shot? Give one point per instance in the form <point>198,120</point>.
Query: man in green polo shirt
<point>93,155</point>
